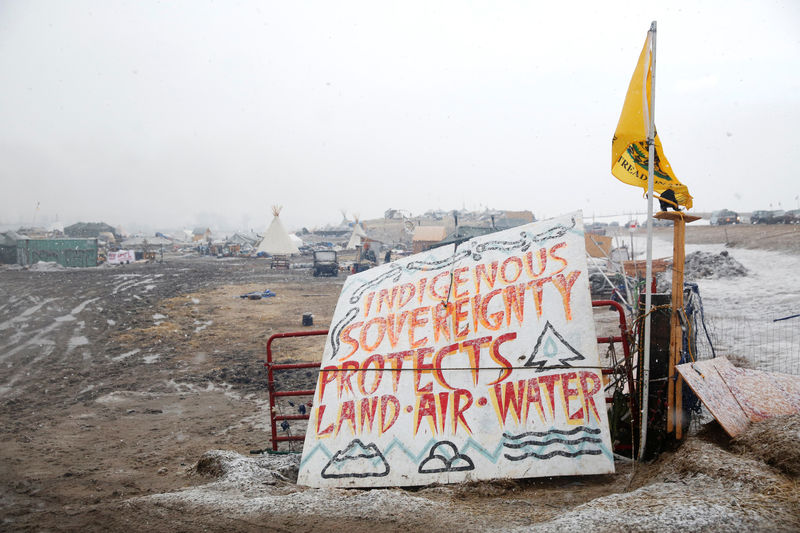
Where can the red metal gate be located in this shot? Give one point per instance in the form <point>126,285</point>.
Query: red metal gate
<point>624,339</point>
<point>273,394</point>
<point>274,416</point>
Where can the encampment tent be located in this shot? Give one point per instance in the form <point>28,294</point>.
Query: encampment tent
<point>276,239</point>
<point>357,237</point>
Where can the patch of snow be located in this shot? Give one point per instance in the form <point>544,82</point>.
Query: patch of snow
<point>149,359</point>
<point>17,337</point>
<point>707,265</point>
<point>125,355</point>
<point>46,266</point>
<point>74,342</point>
<point>82,306</point>
<point>127,276</point>
<point>26,313</point>
<point>203,325</point>
<point>130,283</point>
<point>703,504</point>
<point>243,489</point>
<point>123,396</point>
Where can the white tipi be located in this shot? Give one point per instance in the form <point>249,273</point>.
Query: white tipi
<point>276,239</point>
<point>357,237</point>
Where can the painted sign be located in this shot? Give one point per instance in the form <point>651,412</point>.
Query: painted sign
<point>121,257</point>
<point>463,363</point>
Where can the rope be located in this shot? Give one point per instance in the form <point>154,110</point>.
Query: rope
<point>413,368</point>
<point>690,400</point>
<point>687,338</point>
<point>695,292</point>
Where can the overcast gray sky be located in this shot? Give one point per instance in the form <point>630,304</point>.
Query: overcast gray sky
<point>176,113</point>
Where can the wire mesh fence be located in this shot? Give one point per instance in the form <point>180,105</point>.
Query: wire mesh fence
<point>768,341</point>
<point>760,343</point>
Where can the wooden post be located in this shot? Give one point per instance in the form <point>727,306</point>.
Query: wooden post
<point>675,386</point>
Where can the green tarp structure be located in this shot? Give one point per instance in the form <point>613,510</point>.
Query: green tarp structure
<point>65,252</point>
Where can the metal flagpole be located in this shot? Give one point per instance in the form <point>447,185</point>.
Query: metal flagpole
<point>651,144</point>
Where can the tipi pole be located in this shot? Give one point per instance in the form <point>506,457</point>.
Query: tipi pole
<point>648,299</point>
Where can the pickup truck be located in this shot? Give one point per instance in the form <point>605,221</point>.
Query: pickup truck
<point>724,216</point>
<point>768,217</point>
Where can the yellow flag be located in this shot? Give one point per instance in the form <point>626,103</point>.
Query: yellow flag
<point>629,153</point>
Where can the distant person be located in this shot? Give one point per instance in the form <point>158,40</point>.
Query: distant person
<point>388,257</point>
<point>369,254</point>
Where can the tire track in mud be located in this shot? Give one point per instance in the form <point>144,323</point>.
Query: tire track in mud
<point>62,332</point>
<point>54,323</point>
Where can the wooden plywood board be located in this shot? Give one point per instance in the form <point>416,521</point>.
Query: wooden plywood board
<point>638,268</point>
<point>598,245</point>
<point>763,395</point>
<point>738,396</point>
<point>705,380</point>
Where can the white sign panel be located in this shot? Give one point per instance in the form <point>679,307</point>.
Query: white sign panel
<point>121,257</point>
<point>466,363</point>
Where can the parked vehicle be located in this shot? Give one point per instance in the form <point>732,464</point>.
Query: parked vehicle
<point>326,263</point>
<point>768,217</point>
<point>598,228</point>
<point>792,217</point>
<point>723,217</point>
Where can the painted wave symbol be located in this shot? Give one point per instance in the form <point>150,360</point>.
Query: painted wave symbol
<point>538,444</point>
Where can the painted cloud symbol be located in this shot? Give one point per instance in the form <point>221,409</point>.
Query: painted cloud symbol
<point>444,457</point>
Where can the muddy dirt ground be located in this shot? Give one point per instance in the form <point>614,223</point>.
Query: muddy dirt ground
<point>115,381</point>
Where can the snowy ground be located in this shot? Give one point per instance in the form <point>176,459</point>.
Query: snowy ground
<point>740,310</point>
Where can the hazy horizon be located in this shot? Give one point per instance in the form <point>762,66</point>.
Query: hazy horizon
<point>185,113</point>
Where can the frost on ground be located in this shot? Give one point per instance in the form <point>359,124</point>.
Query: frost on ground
<point>698,504</point>
<point>265,485</point>
<point>702,486</point>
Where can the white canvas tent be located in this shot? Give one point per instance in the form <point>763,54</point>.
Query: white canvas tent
<point>276,239</point>
<point>357,237</point>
